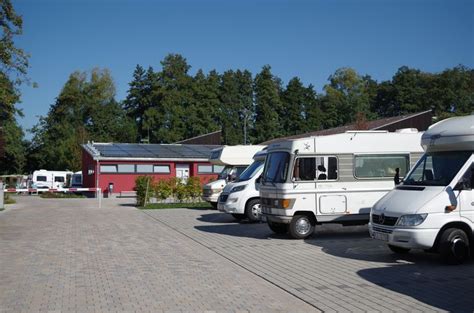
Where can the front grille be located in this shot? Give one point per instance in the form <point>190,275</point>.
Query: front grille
<point>207,192</point>
<point>381,230</point>
<point>223,198</point>
<point>384,219</point>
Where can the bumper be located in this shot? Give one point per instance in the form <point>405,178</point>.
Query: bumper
<point>211,198</point>
<point>275,215</point>
<point>411,238</point>
<point>232,205</point>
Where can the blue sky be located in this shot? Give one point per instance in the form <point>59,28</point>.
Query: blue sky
<point>309,39</point>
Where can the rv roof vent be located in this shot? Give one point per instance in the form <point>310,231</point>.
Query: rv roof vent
<point>407,130</point>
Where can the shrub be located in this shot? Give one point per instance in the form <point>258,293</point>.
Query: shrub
<point>163,189</point>
<point>193,185</point>
<point>144,188</point>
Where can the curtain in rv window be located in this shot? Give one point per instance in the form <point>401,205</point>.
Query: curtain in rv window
<point>380,165</point>
<point>312,168</point>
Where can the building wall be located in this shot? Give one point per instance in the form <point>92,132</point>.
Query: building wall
<point>126,181</point>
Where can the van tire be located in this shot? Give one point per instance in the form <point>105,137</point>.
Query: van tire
<point>253,210</point>
<point>398,250</point>
<point>278,228</point>
<point>301,227</point>
<point>454,246</point>
<point>238,217</point>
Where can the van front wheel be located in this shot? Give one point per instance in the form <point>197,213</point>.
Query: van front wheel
<point>454,246</point>
<point>301,227</point>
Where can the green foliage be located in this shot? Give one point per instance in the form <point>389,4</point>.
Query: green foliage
<point>7,199</point>
<point>268,106</point>
<point>14,159</point>
<point>194,188</point>
<point>163,189</point>
<point>144,188</point>
<point>85,110</point>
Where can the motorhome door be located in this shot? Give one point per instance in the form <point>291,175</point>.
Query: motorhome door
<point>466,197</point>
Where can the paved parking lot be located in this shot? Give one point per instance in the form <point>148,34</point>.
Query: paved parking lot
<point>69,256</point>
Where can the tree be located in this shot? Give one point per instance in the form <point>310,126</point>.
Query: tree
<point>295,104</point>
<point>13,67</point>
<point>267,106</point>
<point>346,94</point>
<point>84,110</point>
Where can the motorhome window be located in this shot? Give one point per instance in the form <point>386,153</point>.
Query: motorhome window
<point>144,168</point>
<point>305,169</point>
<point>218,168</point>
<point>381,165</point>
<point>437,169</point>
<point>126,168</point>
<point>41,178</point>
<point>332,168</point>
<point>225,172</point>
<point>204,169</point>
<point>251,171</point>
<point>59,179</point>
<point>161,169</point>
<point>108,168</point>
<point>276,167</point>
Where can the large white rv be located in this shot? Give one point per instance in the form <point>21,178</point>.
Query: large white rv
<point>332,179</point>
<point>433,209</point>
<point>241,198</point>
<point>234,160</point>
<point>43,179</point>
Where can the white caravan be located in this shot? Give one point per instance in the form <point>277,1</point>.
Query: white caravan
<point>433,209</point>
<point>43,179</point>
<point>332,179</point>
<point>242,198</point>
<point>235,160</point>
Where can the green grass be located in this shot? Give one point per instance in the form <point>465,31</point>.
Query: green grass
<point>51,195</point>
<point>198,205</point>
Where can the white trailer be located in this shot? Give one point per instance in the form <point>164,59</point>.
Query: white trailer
<point>235,160</point>
<point>43,179</point>
<point>332,179</point>
<point>433,209</point>
<point>241,198</point>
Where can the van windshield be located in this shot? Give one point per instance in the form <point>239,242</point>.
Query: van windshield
<point>276,167</point>
<point>437,168</point>
<point>251,171</point>
<point>225,172</point>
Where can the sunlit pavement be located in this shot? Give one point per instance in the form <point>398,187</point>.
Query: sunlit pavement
<point>70,256</point>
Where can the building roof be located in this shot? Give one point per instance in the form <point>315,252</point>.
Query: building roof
<point>213,138</point>
<point>127,151</point>
<point>420,121</point>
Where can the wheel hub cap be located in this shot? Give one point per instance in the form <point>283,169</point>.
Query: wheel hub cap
<point>303,226</point>
<point>256,210</point>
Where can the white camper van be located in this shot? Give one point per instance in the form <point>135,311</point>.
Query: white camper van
<point>235,160</point>
<point>332,179</point>
<point>433,209</point>
<point>43,179</point>
<point>242,198</point>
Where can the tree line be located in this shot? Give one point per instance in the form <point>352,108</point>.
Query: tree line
<point>170,104</point>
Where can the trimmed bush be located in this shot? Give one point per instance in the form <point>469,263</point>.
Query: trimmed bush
<point>144,189</point>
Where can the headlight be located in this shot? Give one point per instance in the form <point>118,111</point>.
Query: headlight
<point>411,219</point>
<point>238,188</point>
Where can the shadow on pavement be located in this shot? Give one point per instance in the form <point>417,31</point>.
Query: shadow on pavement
<point>217,218</point>
<point>449,288</point>
<point>243,229</point>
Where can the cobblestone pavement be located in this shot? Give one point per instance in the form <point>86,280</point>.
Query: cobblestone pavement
<point>70,256</point>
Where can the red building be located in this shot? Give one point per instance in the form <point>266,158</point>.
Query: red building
<point>119,164</point>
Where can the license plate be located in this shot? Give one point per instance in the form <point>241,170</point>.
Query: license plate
<point>380,236</point>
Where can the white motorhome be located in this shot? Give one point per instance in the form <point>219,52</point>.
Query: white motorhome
<point>241,198</point>
<point>234,160</point>
<point>332,179</point>
<point>433,208</point>
<point>43,179</point>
